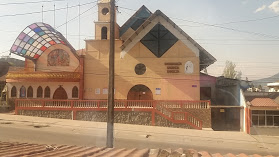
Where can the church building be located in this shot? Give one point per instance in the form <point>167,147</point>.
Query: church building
<point>157,73</point>
<point>154,60</point>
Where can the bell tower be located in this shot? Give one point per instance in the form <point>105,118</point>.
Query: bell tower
<point>102,26</point>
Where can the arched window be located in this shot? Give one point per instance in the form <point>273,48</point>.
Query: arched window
<point>104,34</point>
<point>39,92</point>
<point>30,92</point>
<point>22,93</point>
<point>13,92</point>
<point>47,92</point>
<point>75,92</point>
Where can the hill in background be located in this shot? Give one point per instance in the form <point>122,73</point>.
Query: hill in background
<point>263,82</point>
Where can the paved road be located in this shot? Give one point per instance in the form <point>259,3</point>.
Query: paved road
<point>49,131</point>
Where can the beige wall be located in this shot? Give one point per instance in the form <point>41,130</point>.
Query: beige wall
<point>102,17</point>
<point>98,30</point>
<point>178,86</point>
<point>68,86</point>
<point>41,64</point>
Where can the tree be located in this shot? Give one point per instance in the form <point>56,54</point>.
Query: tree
<point>230,72</point>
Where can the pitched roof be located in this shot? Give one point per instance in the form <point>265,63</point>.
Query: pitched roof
<point>249,96</point>
<point>264,102</point>
<point>136,20</point>
<point>206,58</point>
<point>26,149</point>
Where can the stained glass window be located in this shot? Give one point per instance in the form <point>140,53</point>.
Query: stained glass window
<point>22,92</point>
<point>35,39</point>
<point>58,57</point>
<point>159,40</point>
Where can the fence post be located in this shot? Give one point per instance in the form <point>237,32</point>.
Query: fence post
<point>74,114</point>
<point>72,104</point>
<point>153,113</point>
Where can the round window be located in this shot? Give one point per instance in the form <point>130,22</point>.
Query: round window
<point>140,69</point>
<point>105,11</point>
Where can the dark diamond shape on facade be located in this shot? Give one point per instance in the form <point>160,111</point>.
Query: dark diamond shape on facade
<point>159,40</point>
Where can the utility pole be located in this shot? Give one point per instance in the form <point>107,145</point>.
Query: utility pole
<point>110,112</point>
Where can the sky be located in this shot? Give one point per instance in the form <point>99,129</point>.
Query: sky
<point>242,31</point>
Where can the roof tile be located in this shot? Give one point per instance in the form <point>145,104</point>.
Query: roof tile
<point>34,150</point>
<point>264,102</point>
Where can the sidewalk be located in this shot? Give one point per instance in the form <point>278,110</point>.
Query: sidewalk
<point>145,134</point>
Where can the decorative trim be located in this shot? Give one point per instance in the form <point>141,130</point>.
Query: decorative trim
<point>53,76</point>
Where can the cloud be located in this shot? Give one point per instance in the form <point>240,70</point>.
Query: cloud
<point>260,9</point>
<point>274,6</point>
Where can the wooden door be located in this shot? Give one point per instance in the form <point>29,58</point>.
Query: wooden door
<point>60,93</point>
<point>140,92</point>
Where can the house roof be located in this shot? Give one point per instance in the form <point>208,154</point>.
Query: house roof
<point>264,102</point>
<point>206,58</point>
<point>36,38</point>
<point>249,96</point>
<point>26,149</point>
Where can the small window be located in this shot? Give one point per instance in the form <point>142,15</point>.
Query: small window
<point>47,92</point>
<point>255,120</point>
<point>30,92</point>
<point>13,92</point>
<point>104,34</point>
<point>105,11</point>
<point>22,92</point>
<point>140,69</point>
<point>39,92</point>
<point>75,92</point>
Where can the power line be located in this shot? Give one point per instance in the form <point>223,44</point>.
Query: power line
<point>214,25</point>
<point>251,20</point>
<point>231,22</point>
<point>76,16</point>
<point>39,12</point>
<point>31,2</point>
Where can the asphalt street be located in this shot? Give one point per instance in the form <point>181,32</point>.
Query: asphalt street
<point>68,132</point>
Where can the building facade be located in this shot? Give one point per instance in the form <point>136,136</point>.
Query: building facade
<point>154,59</point>
<point>155,62</point>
